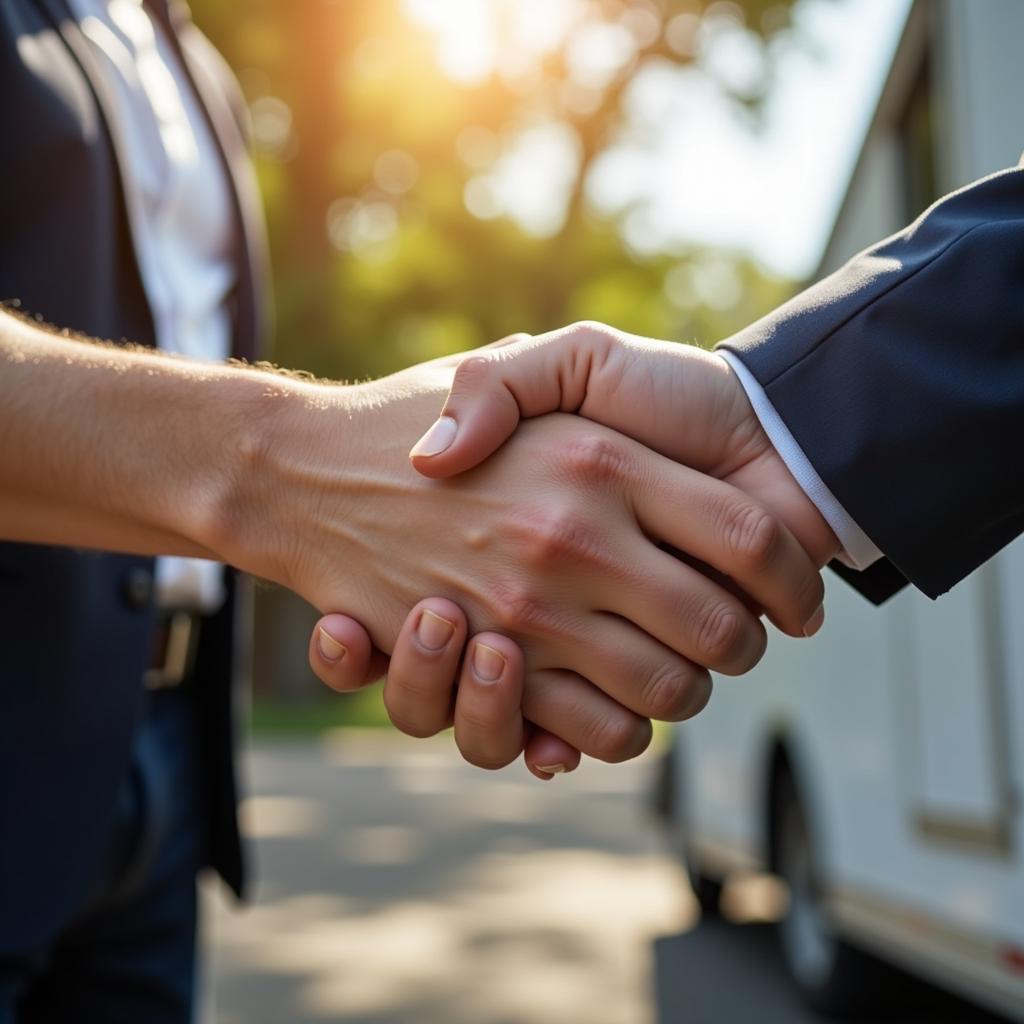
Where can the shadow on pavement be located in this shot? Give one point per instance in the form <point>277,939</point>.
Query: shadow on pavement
<point>722,973</point>
<point>401,886</point>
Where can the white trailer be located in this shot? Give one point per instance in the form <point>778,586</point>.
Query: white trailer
<point>879,768</point>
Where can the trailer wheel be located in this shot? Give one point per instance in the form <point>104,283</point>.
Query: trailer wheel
<point>706,888</point>
<point>833,977</point>
<point>667,801</point>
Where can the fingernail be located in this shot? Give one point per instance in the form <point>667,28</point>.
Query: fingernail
<point>488,664</point>
<point>815,622</point>
<point>434,632</point>
<point>551,769</point>
<point>437,439</point>
<point>330,649</point>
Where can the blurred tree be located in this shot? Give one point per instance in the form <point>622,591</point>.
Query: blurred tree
<point>388,244</point>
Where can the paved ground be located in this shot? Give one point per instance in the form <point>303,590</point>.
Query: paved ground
<point>399,886</point>
<point>721,973</point>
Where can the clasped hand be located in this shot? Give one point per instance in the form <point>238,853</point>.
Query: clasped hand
<point>606,560</point>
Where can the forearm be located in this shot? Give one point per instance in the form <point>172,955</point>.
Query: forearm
<point>116,448</point>
<point>51,522</point>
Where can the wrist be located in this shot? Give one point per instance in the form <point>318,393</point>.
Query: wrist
<point>309,468</point>
<point>241,515</point>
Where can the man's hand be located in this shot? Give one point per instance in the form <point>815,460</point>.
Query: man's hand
<point>677,400</point>
<point>554,543</point>
<point>680,401</point>
<point>436,679</point>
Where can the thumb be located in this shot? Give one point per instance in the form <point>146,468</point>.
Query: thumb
<point>496,387</point>
<point>479,415</point>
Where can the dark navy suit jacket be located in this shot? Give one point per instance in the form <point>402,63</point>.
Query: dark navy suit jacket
<point>76,627</point>
<point>901,376</point>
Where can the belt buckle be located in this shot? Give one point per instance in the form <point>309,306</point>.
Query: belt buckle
<point>179,652</point>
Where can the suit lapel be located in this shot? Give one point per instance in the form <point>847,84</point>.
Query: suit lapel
<point>249,315</point>
<point>67,27</point>
<point>66,24</point>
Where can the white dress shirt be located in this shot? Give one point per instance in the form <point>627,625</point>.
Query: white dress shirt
<point>180,212</point>
<point>859,551</point>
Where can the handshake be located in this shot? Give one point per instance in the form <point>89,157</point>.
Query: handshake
<point>569,578</point>
<point>594,564</point>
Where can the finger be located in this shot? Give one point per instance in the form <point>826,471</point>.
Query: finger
<point>566,705</point>
<point>724,527</point>
<point>637,671</point>
<point>342,655</point>
<point>687,612</point>
<point>493,389</point>
<point>419,691</point>
<point>547,755</point>
<point>489,727</point>
<point>715,576</point>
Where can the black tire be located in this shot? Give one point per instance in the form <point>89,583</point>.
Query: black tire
<point>833,977</point>
<point>706,889</point>
<point>669,807</point>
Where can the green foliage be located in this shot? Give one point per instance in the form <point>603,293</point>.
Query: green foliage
<point>364,160</point>
<point>301,718</point>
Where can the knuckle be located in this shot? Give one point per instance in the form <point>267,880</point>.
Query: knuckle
<point>473,365</point>
<point>590,459</point>
<point>470,371</point>
<point>700,694</point>
<point>616,737</point>
<point>667,692</point>
<point>752,534</point>
<point>518,608</point>
<point>721,638</point>
<point>557,536</point>
<point>591,328</point>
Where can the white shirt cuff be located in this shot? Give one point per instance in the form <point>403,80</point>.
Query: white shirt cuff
<point>859,551</point>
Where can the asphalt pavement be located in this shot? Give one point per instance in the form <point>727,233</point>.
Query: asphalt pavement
<point>398,885</point>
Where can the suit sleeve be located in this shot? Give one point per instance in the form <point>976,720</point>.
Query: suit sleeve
<point>901,377</point>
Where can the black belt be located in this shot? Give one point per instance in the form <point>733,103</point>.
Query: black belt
<point>175,645</point>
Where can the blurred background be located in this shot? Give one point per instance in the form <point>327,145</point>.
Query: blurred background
<point>440,173</point>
